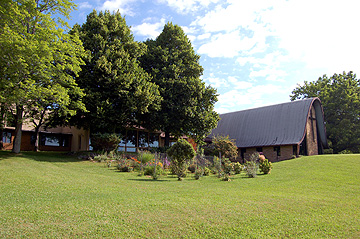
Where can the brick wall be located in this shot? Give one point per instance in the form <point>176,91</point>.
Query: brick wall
<point>270,154</point>
<point>311,134</point>
<point>286,152</point>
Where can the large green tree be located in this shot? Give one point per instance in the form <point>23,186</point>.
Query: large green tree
<point>188,105</point>
<point>340,97</point>
<point>117,89</point>
<point>38,60</point>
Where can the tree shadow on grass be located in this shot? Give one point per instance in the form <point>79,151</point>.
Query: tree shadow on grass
<point>148,180</point>
<point>6,154</point>
<point>54,157</point>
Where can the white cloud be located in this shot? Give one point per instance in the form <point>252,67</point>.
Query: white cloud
<point>239,85</point>
<point>226,45</point>
<point>320,33</point>
<point>238,13</point>
<point>85,5</point>
<point>204,36</point>
<point>186,6</point>
<point>255,96</point>
<point>149,30</point>
<point>121,5</point>
<point>270,74</point>
<point>216,82</point>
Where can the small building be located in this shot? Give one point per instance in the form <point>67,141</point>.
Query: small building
<point>279,131</point>
<point>53,139</point>
<point>71,138</point>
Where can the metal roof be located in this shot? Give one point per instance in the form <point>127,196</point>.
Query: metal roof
<point>281,124</point>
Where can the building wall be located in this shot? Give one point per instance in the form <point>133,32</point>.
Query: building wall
<point>270,154</point>
<point>286,152</point>
<point>26,141</point>
<point>80,139</point>
<point>311,134</point>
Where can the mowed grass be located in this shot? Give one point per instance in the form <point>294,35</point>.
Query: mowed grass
<point>51,195</point>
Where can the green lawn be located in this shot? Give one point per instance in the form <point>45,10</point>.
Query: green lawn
<point>49,195</point>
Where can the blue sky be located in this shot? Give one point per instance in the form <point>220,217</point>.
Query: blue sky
<point>254,52</point>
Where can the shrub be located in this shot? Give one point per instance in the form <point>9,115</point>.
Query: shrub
<point>265,166</point>
<point>154,172</point>
<point>159,149</point>
<point>145,157</point>
<point>328,151</point>
<point>181,153</point>
<point>206,171</point>
<point>252,166</point>
<point>148,170</point>
<point>237,167</point>
<point>218,167</point>
<point>125,166</point>
<point>346,151</point>
<point>227,166</point>
<point>105,141</point>
<point>101,157</point>
<point>192,168</point>
<point>226,177</point>
<point>225,146</point>
<point>199,173</point>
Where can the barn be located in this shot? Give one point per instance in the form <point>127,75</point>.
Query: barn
<point>279,131</point>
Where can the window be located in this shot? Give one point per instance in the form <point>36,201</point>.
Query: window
<point>277,149</point>
<point>79,141</point>
<point>143,139</point>
<point>54,140</point>
<point>242,153</point>
<point>295,148</point>
<point>6,138</point>
<point>259,149</point>
<point>153,140</point>
<point>131,138</point>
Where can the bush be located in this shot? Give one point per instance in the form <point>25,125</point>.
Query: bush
<point>225,146</point>
<point>101,157</point>
<point>145,157</point>
<point>180,153</point>
<point>328,151</point>
<point>199,173</point>
<point>155,173</point>
<point>227,166</point>
<point>252,166</point>
<point>265,166</point>
<point>159,149</point>
<point>346,151</point>
<point>207,171</point>
<point>127,165</point>
<point>192,168</point>
<point>105,142</point>
<point>226,177</point>
<point>218,169</point>
<point>237,167</point>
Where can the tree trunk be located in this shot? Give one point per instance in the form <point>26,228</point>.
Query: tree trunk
<point>167,139</point>
<point>1,138</point>
<point>18,129</point>
<point>36,146</point>
<point>37,130</point>
<point>2,125</point>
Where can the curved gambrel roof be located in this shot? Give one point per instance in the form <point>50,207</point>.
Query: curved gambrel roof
<point>281,124</point>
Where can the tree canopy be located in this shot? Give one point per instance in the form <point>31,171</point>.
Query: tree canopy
<point>38,61</point>
<point>117,89</point>
<point>187,106</point>
<point>340,97</point>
